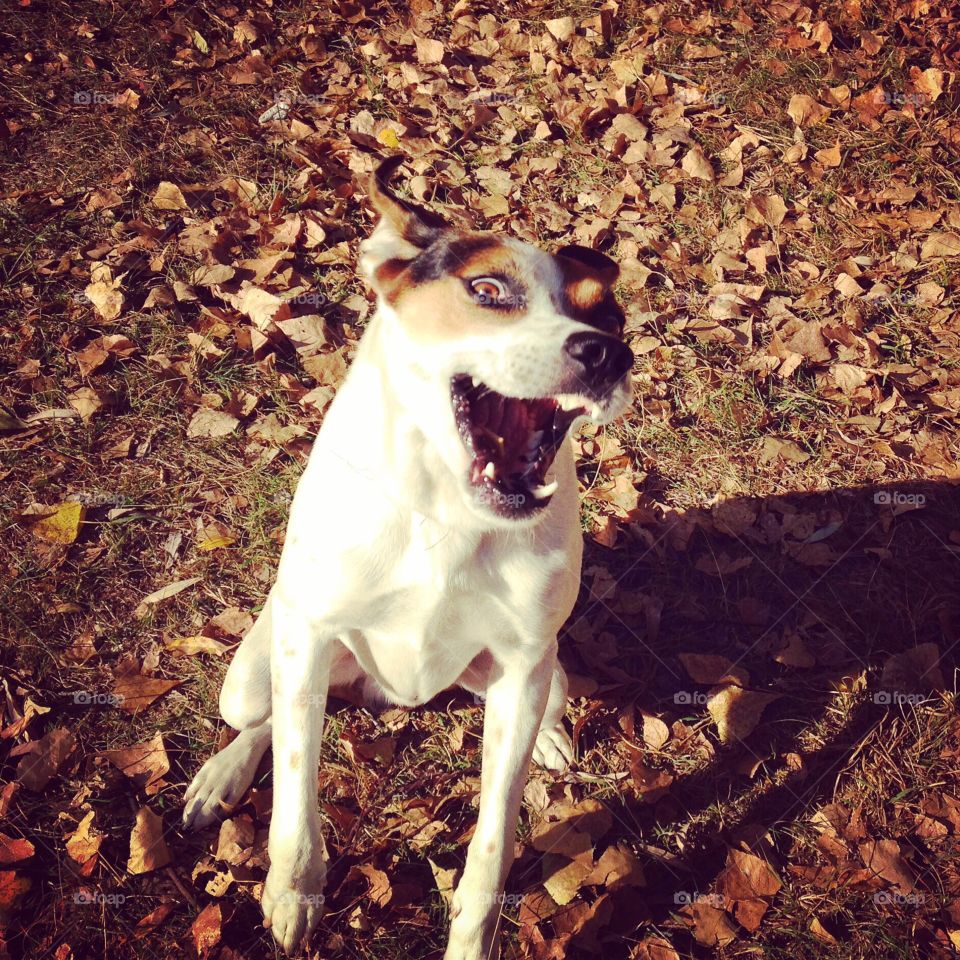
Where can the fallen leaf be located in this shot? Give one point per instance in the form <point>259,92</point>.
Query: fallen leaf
<point>747,877</point>
<point>14,849</point>
<point>207,929</point>
<point>164,593</point>
<point>169,196</point>
<point>710,924</point>
<point>736,712</point>
<point>211,423</point>
<point>145,763</point>
<point>713,669</point>
<point>804,111</point>
<point>106,296</point>
<point>148,849</point>
<point>135,692</point>
<point>696,165</point>
<point>12,889</point>
<point>191,646</point>
<point>37,768</point>
<point>62,526</point>
<point>882,857</point>
<point>83,845</point>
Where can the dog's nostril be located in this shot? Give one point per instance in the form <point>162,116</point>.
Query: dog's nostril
<point>602,358</point>
<point>591,353</point>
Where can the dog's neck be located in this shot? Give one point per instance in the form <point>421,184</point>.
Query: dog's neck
<point>415,474</point>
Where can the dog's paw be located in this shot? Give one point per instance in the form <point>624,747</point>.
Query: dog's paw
<point>553,749</point>
<point>217,788</point>
<point>292,909</point>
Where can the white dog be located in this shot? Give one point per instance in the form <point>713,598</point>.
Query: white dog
<point>433,541</point>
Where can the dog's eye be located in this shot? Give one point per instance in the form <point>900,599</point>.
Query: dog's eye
<point>488,290</point>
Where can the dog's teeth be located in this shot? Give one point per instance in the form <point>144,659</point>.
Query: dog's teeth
<point>569,403</point>
<point>490,470</point>
<point>544,490</point>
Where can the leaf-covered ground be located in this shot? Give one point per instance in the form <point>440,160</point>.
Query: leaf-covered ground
<point>763,657</point>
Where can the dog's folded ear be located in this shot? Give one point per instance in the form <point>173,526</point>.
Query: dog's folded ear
<point>404,229</point>
<point>587,262</point>
<point>414,224</point>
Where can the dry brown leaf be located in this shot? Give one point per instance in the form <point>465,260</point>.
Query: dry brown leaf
<point>713,669</point>
<point>107,297</point>
<point>616,869</point>
<point>207,929</point>
<point>882,857</point>
<point>148,849</point>
<point>135,691</point>
<point>38,767</point>
<point>938,245</point>
<point>84,844</point>
<point>191,646</point>
<point>710,924</point>
<point>211,423</point>
<point>12,888</point>
<point>653,948</point>
<point>696,165</point>
<point>747,877</point>
<point>168,196</point>
<point>145,763</point>
<point>655,732</point>
<point>235,840</point>
<point>563,879</point>
<point>86,401</point>
<point>14,849</point>
<point>561,28</point>
<point>62,526</point>
<point>736,712</point>
<point>804,111</point>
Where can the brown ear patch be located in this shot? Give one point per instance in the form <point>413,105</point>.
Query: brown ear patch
<point>586,278</point>
<point>416,225</point>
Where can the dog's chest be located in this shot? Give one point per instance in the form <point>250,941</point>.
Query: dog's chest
<point>443,599</point>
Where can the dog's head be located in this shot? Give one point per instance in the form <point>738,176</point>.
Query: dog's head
<point>500,347</point>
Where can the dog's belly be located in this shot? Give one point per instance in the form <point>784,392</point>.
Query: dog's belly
<point>414,656</point>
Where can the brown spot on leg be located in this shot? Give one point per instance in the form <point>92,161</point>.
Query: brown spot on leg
<point>295,760</point>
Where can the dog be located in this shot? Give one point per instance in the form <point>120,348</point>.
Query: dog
<point>433,541</point>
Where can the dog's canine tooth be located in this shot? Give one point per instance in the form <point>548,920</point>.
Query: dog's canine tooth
<point>544,490</point>
<point>490,470</point>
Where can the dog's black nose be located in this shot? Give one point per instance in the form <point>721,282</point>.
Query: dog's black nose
<point>601,360</point>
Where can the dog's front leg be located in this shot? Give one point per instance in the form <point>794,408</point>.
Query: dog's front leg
<point>516,698</point>
<point>300,672</point>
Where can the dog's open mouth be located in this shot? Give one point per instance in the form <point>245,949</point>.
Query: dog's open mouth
<point>512,443</point>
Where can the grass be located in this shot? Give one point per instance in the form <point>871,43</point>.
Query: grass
<point>822,560</point>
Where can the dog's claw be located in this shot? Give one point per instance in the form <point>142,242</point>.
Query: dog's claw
<point>553,749</point>
<point>292,911</point>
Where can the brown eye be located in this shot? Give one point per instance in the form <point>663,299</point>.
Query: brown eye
<point>488,291</point>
